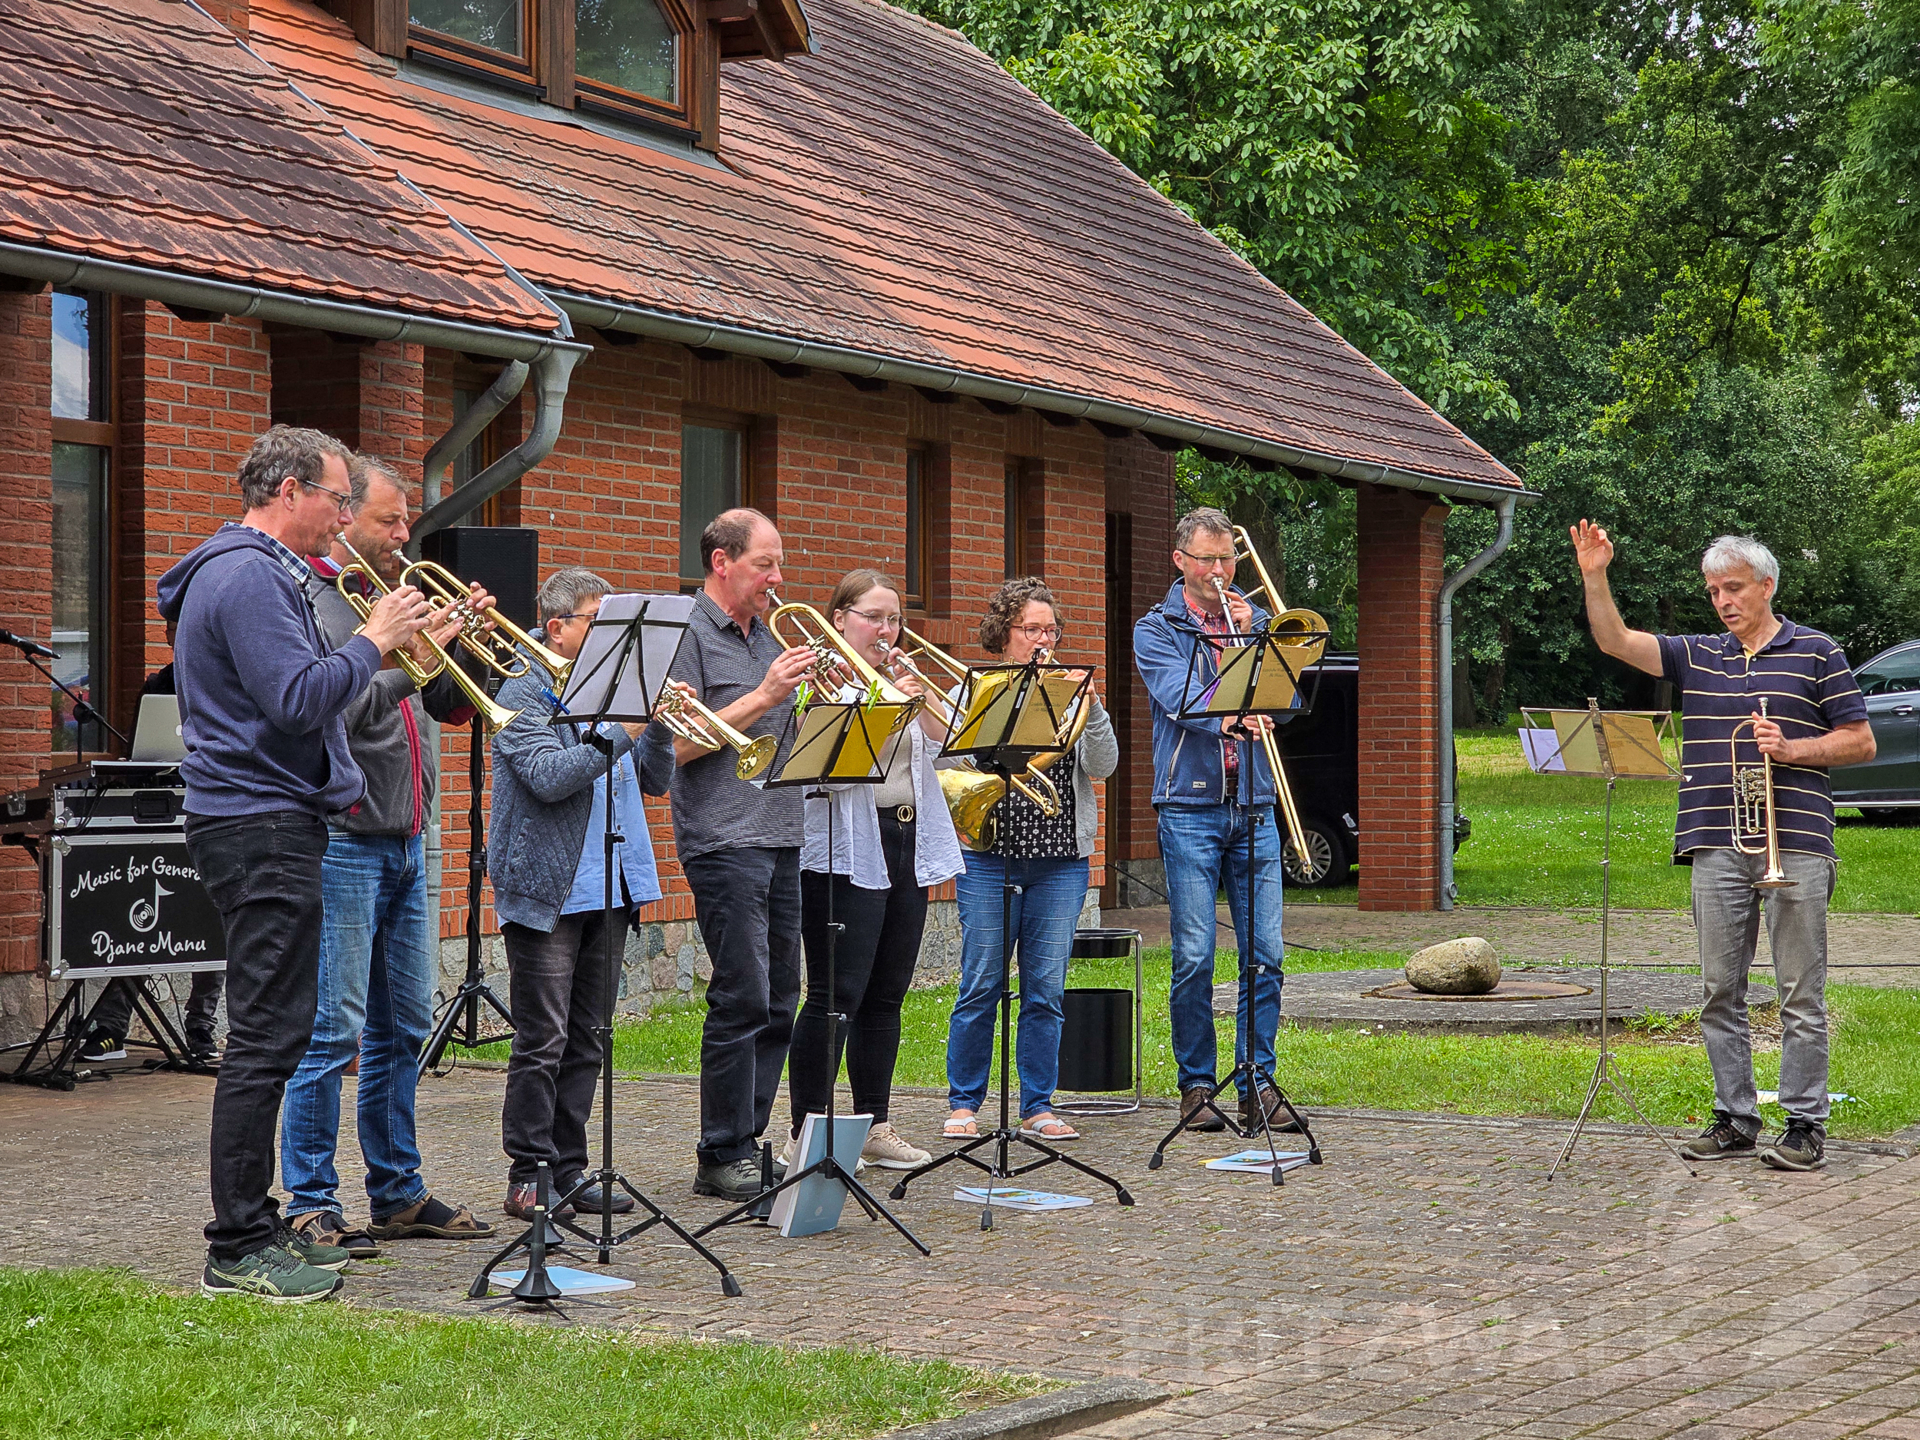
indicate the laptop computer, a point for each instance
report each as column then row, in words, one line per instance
column 156, row 732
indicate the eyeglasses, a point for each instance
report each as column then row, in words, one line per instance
column 553, row 620
column 878, row 619
column 1209, row 561
column 340, row 498
column 1038, row 632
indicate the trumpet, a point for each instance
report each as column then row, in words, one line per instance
column 835, row 659
column 493, row 715
column 1756, row 826
column 1302, row 629
column 499, row 648
column 692, row 721
column 972, row 795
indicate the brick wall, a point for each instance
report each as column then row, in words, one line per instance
column 26, row 604
column 1402, row 550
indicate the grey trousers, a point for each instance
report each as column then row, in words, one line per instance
column 1726, row 915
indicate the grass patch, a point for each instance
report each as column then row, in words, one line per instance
column 1873, row 1054
column 1536, row 841
column 99, row 1353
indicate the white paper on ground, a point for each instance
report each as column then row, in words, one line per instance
column 1011, row 1198
column 1834, row 1097
column 570, row 1280
column 1259, row 1161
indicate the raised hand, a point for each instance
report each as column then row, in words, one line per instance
column 1592, row 547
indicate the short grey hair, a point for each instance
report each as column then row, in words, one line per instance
column 287, row 450
column 1731, row 552
column 1205, row 517
column 567, row 590
column 362, row 471
column 731, row 531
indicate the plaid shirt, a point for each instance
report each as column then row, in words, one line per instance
column 294, row 565
column 1221, row 625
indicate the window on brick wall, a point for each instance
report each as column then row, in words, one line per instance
column 487, row 447
column 83, row 437
column 713, row 477
column 1019, row 474
column 914, row 562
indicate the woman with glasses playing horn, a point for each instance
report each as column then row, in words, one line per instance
column 1045, row 856
column 890, row 842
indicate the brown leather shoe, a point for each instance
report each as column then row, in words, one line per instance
column 1278, row 1120
column 521, row 1199
column 1193, row 1102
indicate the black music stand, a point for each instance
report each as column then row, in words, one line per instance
column 459, row 1022
column 1254, row 677
column 609, row 682
column 1011, row 713
column 838, row 743
column 1608, row 745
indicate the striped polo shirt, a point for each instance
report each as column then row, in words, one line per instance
column 1810, row 690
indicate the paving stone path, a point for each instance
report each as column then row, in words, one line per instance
column 1426, row 1281
column 1567, row 937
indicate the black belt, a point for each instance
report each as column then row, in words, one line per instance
column 900, row 814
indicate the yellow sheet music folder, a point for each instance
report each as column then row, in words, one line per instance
column 813, row 755
column 1038, row 725
column 1632, row 739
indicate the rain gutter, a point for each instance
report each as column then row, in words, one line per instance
column 1448, row 799
column 224, row 298
column 701, row 334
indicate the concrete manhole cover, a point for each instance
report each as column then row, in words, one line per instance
column 1507, row 989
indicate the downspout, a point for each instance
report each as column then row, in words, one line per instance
column 1448, row 803
column 468, row 428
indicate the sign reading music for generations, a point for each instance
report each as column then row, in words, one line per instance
column 128, row 904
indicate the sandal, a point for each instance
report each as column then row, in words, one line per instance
column 961, row 1127
column 1048, row 1126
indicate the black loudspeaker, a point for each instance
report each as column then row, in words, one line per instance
column 505, row 559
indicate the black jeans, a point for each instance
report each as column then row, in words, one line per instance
column 558, row 996
column 114, row 1012
column 748, row 905
column 873, row 967
column 263, row 874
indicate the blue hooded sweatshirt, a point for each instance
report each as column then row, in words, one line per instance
column 261, row 698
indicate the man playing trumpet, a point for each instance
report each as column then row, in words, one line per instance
column 1815, row 719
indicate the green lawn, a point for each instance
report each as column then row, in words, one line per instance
column 1536, row 841
column 1873, row 1055
column 92, row 1353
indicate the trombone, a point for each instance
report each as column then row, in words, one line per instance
column 695, row 722
column 972, row 794
column 1756, row 826
column 492, row 714
column 835, row 658
column 1297, row 629
column 499, row 648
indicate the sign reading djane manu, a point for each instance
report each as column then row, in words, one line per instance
column 123, row 904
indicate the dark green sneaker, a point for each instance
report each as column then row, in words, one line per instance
column 312, row 1251
column 272, row 1273
column 1803, row 1147
column 1722, row 1140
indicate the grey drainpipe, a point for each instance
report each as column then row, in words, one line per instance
column 468, row 428
column 1447, row 591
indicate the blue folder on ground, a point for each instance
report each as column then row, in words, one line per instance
column 814, row 1204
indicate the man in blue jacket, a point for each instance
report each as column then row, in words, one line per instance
column 261, row 699
column 1210, row 782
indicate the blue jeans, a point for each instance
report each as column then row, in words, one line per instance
column 1204, row 848
column 376, row 1000
column 1046, row 911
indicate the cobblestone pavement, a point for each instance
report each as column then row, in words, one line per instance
column 1426, row 1280
column 1569, row 937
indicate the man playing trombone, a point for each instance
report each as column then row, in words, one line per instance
column 1211, row 781
column 1765, row 688
column 377, row 961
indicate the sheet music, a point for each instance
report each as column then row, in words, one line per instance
column 593, row 688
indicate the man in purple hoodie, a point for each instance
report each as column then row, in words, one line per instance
column 261, row 699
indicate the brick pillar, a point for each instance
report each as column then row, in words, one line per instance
column 366, row 395
column 1402, row 552
column 26, row 606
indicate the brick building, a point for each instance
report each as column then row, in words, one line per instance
column 835, row 264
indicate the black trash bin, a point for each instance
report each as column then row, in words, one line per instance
column 1100, row 1032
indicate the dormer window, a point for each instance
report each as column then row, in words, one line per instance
column 629, row 49
column 490, row 35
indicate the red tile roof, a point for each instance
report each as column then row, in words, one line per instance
column 141, row 132
column 897, row 194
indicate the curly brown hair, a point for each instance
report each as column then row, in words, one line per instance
column 1008, row 604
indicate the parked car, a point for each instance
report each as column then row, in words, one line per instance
column 1890, row 782
column 1321, row 751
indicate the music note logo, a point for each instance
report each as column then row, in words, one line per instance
column 144, row 915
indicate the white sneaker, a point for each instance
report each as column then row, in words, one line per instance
column 886, row 1149
column 783, row 1161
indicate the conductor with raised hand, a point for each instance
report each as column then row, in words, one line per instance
column 262, row 700
column 1816, row 719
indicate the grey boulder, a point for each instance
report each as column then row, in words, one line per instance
column 1454, row 967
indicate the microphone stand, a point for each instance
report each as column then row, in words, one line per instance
column 83, row 712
